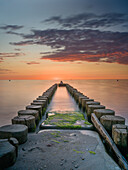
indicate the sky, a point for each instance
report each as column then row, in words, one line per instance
column 63, row 39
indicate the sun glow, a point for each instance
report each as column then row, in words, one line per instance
column 56, row 78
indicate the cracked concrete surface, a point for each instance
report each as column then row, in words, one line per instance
column 64, row 150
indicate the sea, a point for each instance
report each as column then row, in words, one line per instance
column 15, row 95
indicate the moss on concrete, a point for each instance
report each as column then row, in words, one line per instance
column 92, row 152
column 78, row 151
column 66, row 120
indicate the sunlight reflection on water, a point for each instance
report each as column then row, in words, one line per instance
column 17, row 94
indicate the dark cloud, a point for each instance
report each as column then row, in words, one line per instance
column 91, row 45
column 11, row 27
column 90, row 20
column 32, row 62
column 23, row 43
column 10, row 55
column 5, row 55
column 14, row 33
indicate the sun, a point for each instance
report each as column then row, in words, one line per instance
column 56, row 78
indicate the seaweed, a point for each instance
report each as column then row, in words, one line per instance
column 78, row 151
column 92, row 152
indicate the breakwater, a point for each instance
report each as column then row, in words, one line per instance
column 31, row 117
column 106, row 123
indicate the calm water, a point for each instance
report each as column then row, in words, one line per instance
column 16, row 94
column 62, row 101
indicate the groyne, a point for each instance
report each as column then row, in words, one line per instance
column 104, row 120
column 111, row 128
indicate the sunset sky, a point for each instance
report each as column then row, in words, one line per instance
column 63, row 39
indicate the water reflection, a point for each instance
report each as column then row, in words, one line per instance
column 111, row 93
column 17, row 94
column 62, row 101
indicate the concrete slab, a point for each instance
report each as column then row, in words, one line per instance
column 64, row 150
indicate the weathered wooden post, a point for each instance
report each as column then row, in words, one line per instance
column 91, row 103
column 17, row 131
column 27, row 120
column 120, row 136
column 35, row 107
column 102, row 112
column 108, row 120
column 84, row 102
column 91, row 108
column 31, row 112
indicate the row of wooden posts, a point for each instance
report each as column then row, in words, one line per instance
column 26, row 121
column 34, row 112
column 115, row 125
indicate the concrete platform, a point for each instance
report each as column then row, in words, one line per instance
column 64, row 150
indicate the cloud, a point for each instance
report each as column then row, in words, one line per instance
column 17, row 49
column 89, row 20
column 14, row 33
column 81, row 45
column 5, row 55
column 9, row 55
column 5, row 71
column 117, row 57
column 32, row 62
column 80, row 41
column 22, row 43
column 11, row 27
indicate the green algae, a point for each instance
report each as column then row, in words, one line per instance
column 78, row 151
column 56, row 141
column 44, row 110
column 56, row 134
column 87, row 123
column 92, row 152
column 65, row 120
column 32, row 129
